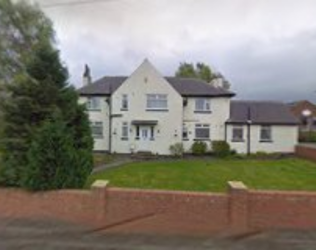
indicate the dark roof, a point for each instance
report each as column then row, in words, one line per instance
column 184, row 86
column 261, row 112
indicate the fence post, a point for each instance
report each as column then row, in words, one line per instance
column 238, row 207
column 99, row 192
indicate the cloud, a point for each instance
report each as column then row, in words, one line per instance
column 266, row 48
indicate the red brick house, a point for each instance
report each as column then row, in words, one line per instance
column 305, row 111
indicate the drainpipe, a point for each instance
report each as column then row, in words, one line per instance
column 249, row 122
column 248, row 137
column 109, row 101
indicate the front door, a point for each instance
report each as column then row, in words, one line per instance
column 144, row 138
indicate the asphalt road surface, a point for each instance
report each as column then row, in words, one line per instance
column 51, row 235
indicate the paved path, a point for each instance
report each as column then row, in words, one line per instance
column 115, row 164
column 53, row 235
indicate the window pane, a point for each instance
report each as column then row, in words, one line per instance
column 202, row 131
column 238, row 133
column 93, row 103
column 124, row 102
column 97, row 129
column 157, row 101
column 265, row 133
column 125, row 130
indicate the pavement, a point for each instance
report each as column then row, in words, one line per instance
column 52, row 235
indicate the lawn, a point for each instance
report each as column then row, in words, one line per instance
column 212, row 175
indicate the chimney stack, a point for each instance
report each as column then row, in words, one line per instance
column 86, row 76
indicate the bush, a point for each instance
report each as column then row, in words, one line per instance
column 221, row 148
column 199, row 148
column 177, row 149
column 307, row 136
column 54, row 161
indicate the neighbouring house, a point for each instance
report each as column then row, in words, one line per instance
column 305, row 112
column 149, row 112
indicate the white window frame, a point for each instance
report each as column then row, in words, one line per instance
column 96, row 129
column 157, row 102
column 235, row 129
column 124, row 104
column 266, row 128
column 93, row 103
column 203, row 127
column 125, row 130
column 202, row 105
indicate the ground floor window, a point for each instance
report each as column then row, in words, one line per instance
column 185, row 133
column 97, row 129
column 238, row 133
column 202, row 131
column 265, row 133
column 124, row 131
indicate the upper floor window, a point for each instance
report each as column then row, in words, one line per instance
column 157, row 102
column 265, row 133
column 124, row 102
column 202, row 131
column 238, row 133
column 96, row 129
column 94, row 103
column 202, row 105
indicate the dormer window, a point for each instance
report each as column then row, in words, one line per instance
column 202, row 105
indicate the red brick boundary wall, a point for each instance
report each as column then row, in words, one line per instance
column 166, row 212
column 306, row 151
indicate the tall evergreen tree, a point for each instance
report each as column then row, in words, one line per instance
column 33, row 95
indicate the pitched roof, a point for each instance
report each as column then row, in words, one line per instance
column 261, row 112
column 184, row 86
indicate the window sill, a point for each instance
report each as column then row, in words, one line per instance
column 202, row 139
column 202, row 112
column 266, row 141
column 137, row 138
column 93, row 110
column 124, row 138
column 158, row 110
column 98, row 137
column 185, row 139
column 124, row 109
column 152, row 139
column 238, row 140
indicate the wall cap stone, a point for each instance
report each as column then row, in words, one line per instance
column 237, row 186
column 99, row 184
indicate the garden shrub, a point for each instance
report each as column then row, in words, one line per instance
column 199, row 148
column 221, row 148
column 177, row 149
column 307, row 136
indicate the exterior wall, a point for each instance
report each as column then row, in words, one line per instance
column 146, row 80
column 220, row 109
column 284, row 139
column 306, row 151
column 103, row 115
column 166, row 212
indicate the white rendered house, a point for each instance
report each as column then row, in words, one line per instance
column 149, row 112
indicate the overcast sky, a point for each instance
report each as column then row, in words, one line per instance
column 265, row 48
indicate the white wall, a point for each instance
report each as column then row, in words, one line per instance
column 147, row 80
column 103, row 115
column 284, row 139
column 220, row 109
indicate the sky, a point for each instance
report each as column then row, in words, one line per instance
column 265, row 48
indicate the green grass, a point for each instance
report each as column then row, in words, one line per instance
column 212, row 175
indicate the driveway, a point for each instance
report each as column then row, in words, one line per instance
column 52, row 234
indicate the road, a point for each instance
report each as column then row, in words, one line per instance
column 53, row 235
